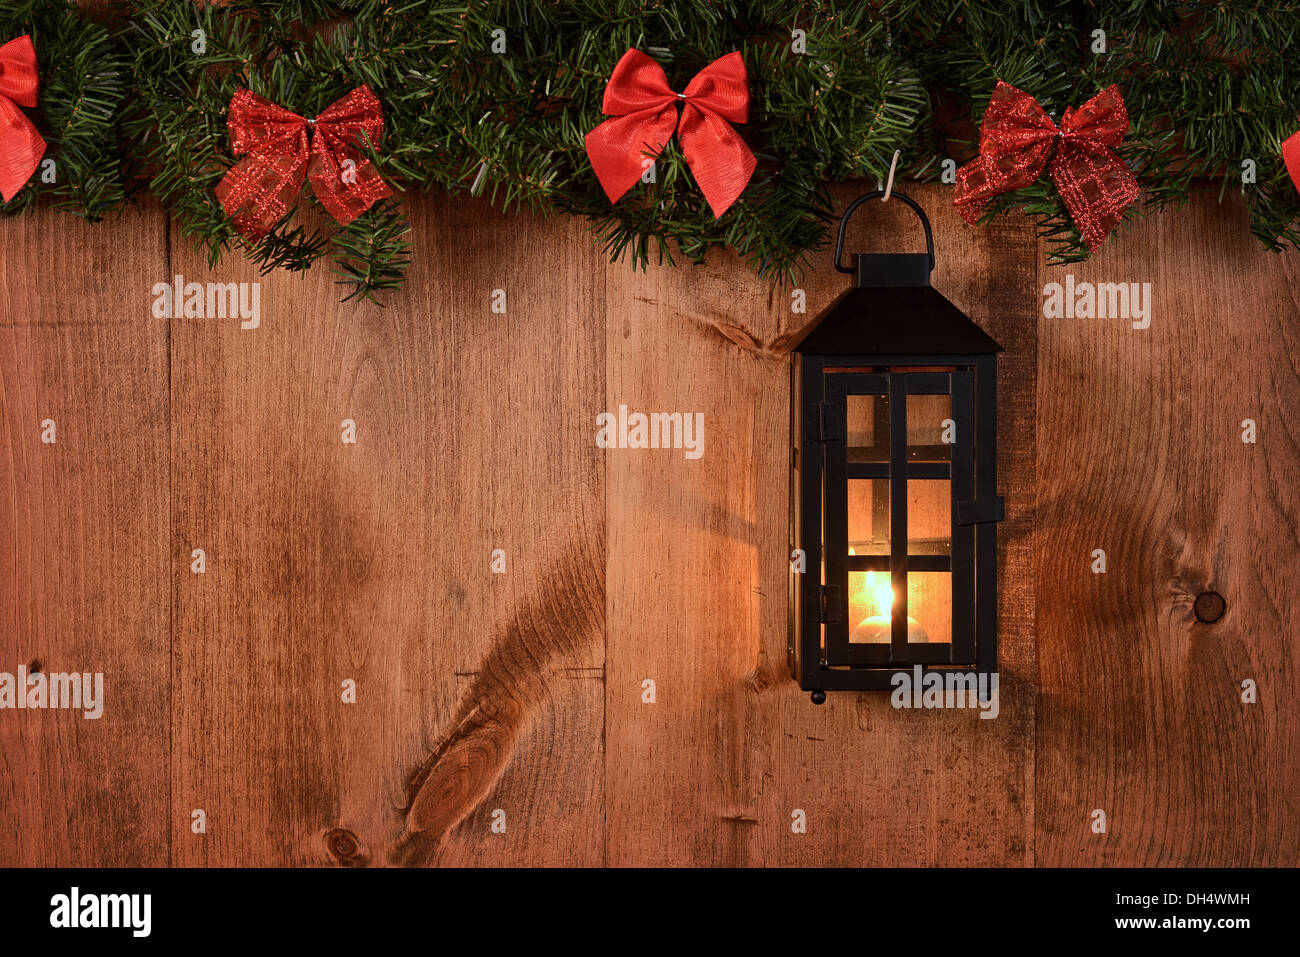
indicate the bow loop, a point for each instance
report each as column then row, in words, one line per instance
column 347, row 119
column 259, row 126
column 722, row 87
column 18, row 80
column 1100, row 123
column 638, row 83
column 644, row 115
column 1017, row 131
column 1017, row 138
column 21, row 146
column 281, row 149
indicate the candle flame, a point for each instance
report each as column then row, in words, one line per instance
column 881, row 591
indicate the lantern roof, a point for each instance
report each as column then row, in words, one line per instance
column 894, row 319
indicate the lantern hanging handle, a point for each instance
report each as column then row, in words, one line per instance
column 844, row 222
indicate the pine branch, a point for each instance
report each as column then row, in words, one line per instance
column 82, row 86
column 495, row 97
column 372, row 253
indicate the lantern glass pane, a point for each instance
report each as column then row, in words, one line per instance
column 867, row 421
column 929, row 607
column 868, row 516
column 870, row 604
column 926, row 415
column 929, row 517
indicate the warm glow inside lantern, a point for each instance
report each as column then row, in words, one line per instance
column 894, row 498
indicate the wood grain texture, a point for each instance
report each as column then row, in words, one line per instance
column 713, row 770
column 687, row 541
column 83, row 537
column 309, row 579
column 887, row 787
column 372, row 562
column 522, row 692
column 513, row 466
column 1140, row 453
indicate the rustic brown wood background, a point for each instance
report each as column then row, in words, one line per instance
column 522, row 692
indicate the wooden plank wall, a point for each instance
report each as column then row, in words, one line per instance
column 84, row 541
column 518, row 697
column 1141, row 455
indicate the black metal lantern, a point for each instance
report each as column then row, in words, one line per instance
column 893, row 494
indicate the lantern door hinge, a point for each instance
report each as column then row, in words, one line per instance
column 828, row 604
column 988, row 509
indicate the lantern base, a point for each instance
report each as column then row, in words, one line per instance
column 818, row 697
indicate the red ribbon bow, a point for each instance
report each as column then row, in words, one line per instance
column 1291, row 156
column 644, row 108
column 1016, row 139
column 261, row 187
column 21, row 147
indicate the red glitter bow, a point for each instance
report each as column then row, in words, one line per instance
column 261, row 187
column 21, row 147
column 1016, row 140
column 1291, row 156
column 644, row 108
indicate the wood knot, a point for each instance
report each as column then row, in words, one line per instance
column 776, row 348
column 344, row 846
column 35, row 666
column 761, row 678
column 1209, row 607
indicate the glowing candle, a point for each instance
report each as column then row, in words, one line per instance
column 879, row 628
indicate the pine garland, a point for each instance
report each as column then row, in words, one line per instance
column 495, row 96
column 83, row 81
column 187, row 64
